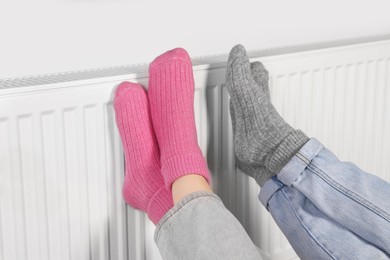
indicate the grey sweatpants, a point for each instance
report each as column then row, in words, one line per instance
column 200, row 227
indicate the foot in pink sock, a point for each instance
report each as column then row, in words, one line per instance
column 143, row 186
column 171, row 98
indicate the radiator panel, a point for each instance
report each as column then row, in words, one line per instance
column 61, row 168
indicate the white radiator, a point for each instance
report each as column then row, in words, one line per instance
column 61, row 164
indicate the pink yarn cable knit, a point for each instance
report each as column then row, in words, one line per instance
column 171, row 99
column 143, row 187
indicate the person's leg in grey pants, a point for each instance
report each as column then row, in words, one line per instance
column 200, row 227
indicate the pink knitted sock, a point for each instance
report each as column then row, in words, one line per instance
column 143, row 187
column 171, row 98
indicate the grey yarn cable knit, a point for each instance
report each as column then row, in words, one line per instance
column 264, row 142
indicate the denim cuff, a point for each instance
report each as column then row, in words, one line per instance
column 269, row 188
column 291, row 171
column 300, row 161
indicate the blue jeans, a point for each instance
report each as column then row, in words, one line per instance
column 329, row 209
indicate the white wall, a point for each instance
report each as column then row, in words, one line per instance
column 45, row 36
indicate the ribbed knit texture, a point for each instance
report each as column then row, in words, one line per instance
column 264, row 142
column 258, row 172
column 143, row 186
column 171, row 98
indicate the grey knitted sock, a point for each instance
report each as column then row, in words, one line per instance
column 264, row 142
column 259, row 173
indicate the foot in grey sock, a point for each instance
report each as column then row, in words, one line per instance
column 259, row 173
column 262, row 138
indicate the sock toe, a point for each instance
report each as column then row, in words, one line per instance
column 125, row 88
column 177, row 54
column 239, row 59
column 259, row 72
column 238, row 51
column 257, row 67
column 239, row 66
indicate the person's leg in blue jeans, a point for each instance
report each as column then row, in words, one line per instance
column 357, row 200
column 310, row 221
column 325, row 207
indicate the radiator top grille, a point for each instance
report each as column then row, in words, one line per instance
column 139, row 70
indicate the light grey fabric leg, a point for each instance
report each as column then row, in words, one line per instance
column 200, row 227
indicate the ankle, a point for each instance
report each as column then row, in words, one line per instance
column 286, row 149
column 183, row 164
column 188, row 184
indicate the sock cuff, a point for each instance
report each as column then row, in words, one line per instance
column 160, row 203
column 181, row 165
column 286, row 150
